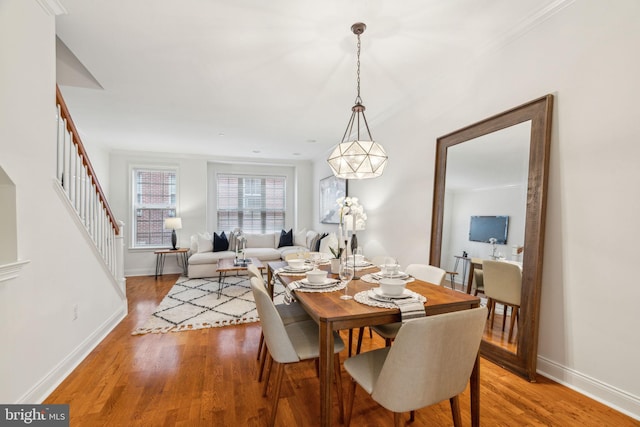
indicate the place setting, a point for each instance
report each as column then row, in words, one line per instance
column 392, row 293
column 315, row 280
column 389, row 270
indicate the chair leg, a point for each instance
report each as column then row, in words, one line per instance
column 350, row 340
column 260, row 346
column 338, row 374
column 276, row 394
column 397, row 419
column 350, row 398
column 505, row 310
column 455, row 411
column 493, row 312
column 263, row 359
column 412, row 416
column 266, row 380
column 514, row 315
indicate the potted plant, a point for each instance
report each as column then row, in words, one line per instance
column 335, row 261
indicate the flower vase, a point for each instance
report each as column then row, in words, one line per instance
column 354, row 243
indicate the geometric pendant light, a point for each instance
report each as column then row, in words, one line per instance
column 357, row 158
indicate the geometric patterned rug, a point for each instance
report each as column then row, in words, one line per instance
column 193, row 304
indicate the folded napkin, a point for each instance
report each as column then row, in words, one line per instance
column 288, row 292
column 410, row 308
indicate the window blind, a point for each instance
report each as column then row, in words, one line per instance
column 255, row 204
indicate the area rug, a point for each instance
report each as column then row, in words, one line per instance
column 193, row 304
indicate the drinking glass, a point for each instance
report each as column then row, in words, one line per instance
column 346, row 274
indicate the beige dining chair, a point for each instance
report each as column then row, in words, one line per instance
column 431, row 360
column 424, row 272
column 503, row 285
column 289, row 313
column 290, row 343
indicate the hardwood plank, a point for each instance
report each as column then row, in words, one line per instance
column 208, row 377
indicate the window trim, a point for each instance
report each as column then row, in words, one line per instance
column 132, row 202
column 251, row 169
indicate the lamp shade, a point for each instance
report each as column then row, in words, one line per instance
column 358, row 160
column 173, row 223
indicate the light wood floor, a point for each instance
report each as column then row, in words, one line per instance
column 208, row 378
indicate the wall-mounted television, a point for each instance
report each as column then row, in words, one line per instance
column 482, row 228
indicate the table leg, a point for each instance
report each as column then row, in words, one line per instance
column 270, row 281
column 326, row 371
column 474, row 386
column 159, row 264
column 221, row 277
column 185, row 261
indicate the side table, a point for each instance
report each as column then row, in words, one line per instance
column 182, row 258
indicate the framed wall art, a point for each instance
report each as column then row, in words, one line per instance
column 331, row 188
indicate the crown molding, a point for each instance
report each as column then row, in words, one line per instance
column 52, row 7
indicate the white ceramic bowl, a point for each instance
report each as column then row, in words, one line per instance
column 392, row 287
column 316, row 276
column 296, row 262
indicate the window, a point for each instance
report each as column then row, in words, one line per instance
column 154, row 199
column 256, row 204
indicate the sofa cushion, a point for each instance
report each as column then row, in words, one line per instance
column 263, row 254
column 300, row 238
column 286, row 238
column 205, row 243
column 260, row 240
column 209, row 257
column 220, row 242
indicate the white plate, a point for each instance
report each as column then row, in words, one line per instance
column 303, row 268
column 325, row 284
column 378, row 292
column 399, row 275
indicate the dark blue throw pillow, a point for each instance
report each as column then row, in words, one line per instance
column 220, row 243
column 286, row 238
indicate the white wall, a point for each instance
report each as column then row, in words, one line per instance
column 586, row 55
column 193, row 190
column 41, row 342
column 461, row 205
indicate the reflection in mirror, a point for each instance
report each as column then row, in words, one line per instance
column 486, row 176
column 497, row 167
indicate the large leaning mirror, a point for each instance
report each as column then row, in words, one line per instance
column 491, row 183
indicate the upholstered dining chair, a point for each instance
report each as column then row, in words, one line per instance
column 290, row 343
column 424, row 272
column 431, row 360
column 289, row 313
column 503, row 284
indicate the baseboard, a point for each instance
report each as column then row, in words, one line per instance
column 604, row 393
column 48, row 384
column 151, row 272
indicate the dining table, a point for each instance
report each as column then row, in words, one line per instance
column 334, row 314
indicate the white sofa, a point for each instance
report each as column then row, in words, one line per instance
column 203, row 261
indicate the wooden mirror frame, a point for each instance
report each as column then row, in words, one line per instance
column 539, row 111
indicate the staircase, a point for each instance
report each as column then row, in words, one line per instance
column 79, row 185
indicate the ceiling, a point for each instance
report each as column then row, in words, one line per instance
column 257, row 79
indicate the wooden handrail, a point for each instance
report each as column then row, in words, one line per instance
column 71, row 127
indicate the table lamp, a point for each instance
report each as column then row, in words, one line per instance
column 173, row 224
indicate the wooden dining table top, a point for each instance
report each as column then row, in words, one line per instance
column 327, row 306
